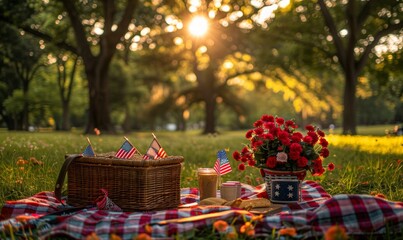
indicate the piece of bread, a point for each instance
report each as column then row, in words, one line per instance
column 212, row 201
column 250, row 203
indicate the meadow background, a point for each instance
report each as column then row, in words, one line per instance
column 366, row 164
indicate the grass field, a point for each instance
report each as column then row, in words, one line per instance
column 364, row 164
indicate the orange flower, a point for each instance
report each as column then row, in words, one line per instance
column 380, row 195
column 292, row 232
column 258, row 218
column 142, row 236
column 23, row 218
column 21, row 161
column 97, row 131
column 92, row 236
column 247, row 229
column 336, row 232
column 114, row 237
column 231, row 236
column 220, row 225
column 148, row 229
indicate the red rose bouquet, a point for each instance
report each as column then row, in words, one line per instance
column 275, row 144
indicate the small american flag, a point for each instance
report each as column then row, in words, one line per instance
column 88, row 151
column 222, row 165
column 155, row 151
column 127, row 150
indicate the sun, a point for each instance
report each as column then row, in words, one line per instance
column 198, row 26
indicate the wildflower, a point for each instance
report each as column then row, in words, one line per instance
column 380, row 195
column 231, row 235
column 97, row 131
column 114, row 237
column 142, row 236
column 330, row 166
column 336, row 232
column 92, row 236
column 292, row 232
column 258, row 218
column 241, row 167
column 35, row 161
column 221, row 226
column 236, row 155
column 21, row 161
column 23, row 218
column 148, row 229
column 247, row 229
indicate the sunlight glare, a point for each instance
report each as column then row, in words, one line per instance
column 198, row 26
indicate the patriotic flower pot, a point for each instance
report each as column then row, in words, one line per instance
column 284, row 186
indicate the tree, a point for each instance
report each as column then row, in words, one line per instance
column 229, row 24
column 96, row 63
column 22, row 54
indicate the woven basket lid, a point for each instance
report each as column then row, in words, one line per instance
column 136, row 160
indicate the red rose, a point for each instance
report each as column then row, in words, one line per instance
column 307, row 139
column 236, row 155
column 271, row 162
column 324, row 152
column 273, row 131
column 296, row 137
column 268, row 136
column 294, row 155
column 295, row 147
column 302, row 162
column 267, row 118
column 280, row 120
column 245, row 150
column 259, row 131
column 258, row 123
column 289, row 123
column 251, row 162
column 330, row 166
column 248, row 134
column 257, row 143
column 269, row 125
column 310, row 128
column 314, row 137
column 244, row 158
column 321, row 133
column 323, row 142
column 241, row 167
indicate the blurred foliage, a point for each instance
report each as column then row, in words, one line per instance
column 282, row 65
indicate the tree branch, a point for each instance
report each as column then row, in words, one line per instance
column 333, row 31
column 42, row 36
column 390, row 29
column 83, row 47
column 364, row 13
column 125, row 20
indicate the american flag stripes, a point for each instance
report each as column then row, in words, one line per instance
column 222, row 165
column 155, row 151
column 127, row 150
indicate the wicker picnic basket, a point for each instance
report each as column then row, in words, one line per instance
column 132, row 184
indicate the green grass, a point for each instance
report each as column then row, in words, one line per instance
column 364, row 164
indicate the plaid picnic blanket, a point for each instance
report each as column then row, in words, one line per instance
column 43, row 216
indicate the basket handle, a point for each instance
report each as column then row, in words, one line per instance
column 62, row 175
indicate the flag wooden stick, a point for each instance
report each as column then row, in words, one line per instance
column 156, row 140
column 137, row 151
column 89, row 142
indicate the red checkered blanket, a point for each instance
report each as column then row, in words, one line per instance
column 43, row 216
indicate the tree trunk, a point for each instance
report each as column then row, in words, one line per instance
column 206, row 80
column 98, row 97
column 349, row 103
column 99, row 112
column 65, row 116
